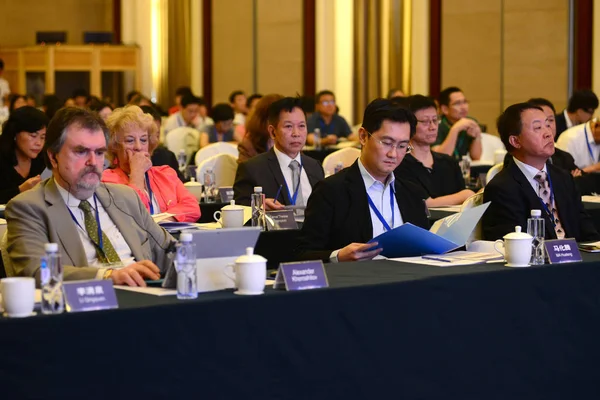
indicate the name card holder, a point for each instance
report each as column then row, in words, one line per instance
column 281, row 219
column 89, row 295
column 226, row 194
column 562, row 251
column 301, row 276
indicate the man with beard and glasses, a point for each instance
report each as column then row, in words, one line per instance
column 103, row 231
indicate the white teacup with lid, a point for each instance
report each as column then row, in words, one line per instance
column 250, row 272
column 230, row 216
column 517, row 248
column 194, row 188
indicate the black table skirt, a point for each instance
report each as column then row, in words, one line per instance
column 383, row 330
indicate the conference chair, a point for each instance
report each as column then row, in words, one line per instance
column 493, row 172
column 490, row 144
column 345, row 156
column 223, row 165
column 214, row 149
column 183, row 138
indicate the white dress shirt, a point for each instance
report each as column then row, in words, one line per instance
column 575, row 141
column 4, row 90
column 530, row 173
column 380, row 195
column 108, row 227
column 176, row 121
column 284, row 163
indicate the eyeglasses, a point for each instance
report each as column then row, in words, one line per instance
column 328, row 103
column 402, row 147
column 427, row 122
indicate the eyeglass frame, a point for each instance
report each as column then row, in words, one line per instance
column 428, row 122
column 389, row 147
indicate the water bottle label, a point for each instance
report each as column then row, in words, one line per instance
column 44, row 272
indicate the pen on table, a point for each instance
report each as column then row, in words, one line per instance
column 436, row 259
column 278, row 193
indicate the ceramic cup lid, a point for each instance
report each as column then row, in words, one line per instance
column 233, row 207
column 250, row 257
column 192, row 182
column 517, row 234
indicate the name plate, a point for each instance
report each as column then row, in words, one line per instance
column 562, row 251
column 89, row 295
column 226, row 193
column 301, row 276
column 281, row 219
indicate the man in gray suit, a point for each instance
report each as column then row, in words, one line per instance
column 103, row 231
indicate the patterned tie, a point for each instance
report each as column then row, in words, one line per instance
column 546, row 196
column 295, row 167
column 108, row 253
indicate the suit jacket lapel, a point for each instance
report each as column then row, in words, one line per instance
column 310, row 173
column 65, row 227
column 122, row 222
column 359, row 206
column 278, row 175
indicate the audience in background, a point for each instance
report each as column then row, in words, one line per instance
column 252, row 101
column 583, row 143
column 69, row 103
column 80, row 97
column 140, row 100
column 237, row 101
column 439, row 175
column 103, row 109
column 308, row 105
column 458, row 134
column 361, row 202
column 581, row 108
column 395, row 93
column 16, row 101
column 4, row 86
column 286, row 175
column 222, row 129
column 21, row 143
column 51, row 104
column 31, row 101
column 257, row 139
column 179, row 93
column 531, row 182
column 132, row 139
column 187, row 116
column 332, row 126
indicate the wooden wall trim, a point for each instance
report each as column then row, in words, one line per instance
column 309, row 47
column 583, row 50
column 207, row 52
column 435, row 47
column 116, row 22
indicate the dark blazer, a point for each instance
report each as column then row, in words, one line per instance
column 338, row 213
column 264, row 170
column 561, row 124
column 513, row 198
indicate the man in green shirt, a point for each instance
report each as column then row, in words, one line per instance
column 458, row 134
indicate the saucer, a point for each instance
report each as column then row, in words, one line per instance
column 247, row 293
column 5, row 315
column 516, row 265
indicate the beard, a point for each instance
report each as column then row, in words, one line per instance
column 83, row 186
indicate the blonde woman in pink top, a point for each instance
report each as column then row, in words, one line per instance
column 133, row 138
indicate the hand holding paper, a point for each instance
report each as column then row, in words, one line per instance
column 359, row 251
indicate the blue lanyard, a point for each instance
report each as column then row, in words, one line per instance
column 149, row 193
column 378, row 214
column 546, row 209
column 293, row 199
column 98, row 245
column 588, row 144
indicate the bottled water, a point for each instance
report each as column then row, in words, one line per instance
column 210, row 186
column 536, row 228
column 338, row 167
column 182, row 160
column 51, row 277
column 317, row 141
column 258, row 208
column 185, row 263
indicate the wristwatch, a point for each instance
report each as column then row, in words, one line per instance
column 108, row 273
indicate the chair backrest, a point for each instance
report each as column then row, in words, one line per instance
column 345, row 156
column 473, row 201
column 489, row 144
column 493, row 172
column 214, row 149
column 6, row 267
column 223, row 165
column 185, row 138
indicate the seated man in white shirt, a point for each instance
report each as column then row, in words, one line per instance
column 189, row 115
column 364, row 200
column 102, row 231
column 581, row 108
column 583, row 143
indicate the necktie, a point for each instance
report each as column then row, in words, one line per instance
column 107, row 254
column 546, row 196
column 295, row 167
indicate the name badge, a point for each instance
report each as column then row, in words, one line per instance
column 562, row 251
column 301, row 276
column 226, row 194
column 89, row 295
column 281, row 219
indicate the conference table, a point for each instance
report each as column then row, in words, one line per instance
column 383, row 329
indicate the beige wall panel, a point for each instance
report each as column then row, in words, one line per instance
column 535, row 55
column 279, row 47
column 34, row 59
column 69, row 59
column 535, row 5
column 471, row 58
column 118, row 58
column 21, row 19
column 232, row 48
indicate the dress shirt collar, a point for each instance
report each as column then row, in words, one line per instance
column 567, row 120
column 370, row 181
column 68, row 198
column 284, row 159
column 587, row 128
column 527, row 170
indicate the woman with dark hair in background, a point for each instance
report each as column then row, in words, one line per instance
column 16, row 101
column 103, row 109
column 51, row 104
column 257, row 139
column 21, row 143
